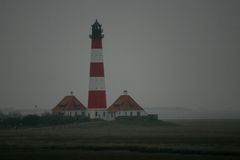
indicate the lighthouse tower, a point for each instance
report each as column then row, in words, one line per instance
column 96, row 94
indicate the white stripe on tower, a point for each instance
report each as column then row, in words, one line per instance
column 96, row 83
column 96, row 55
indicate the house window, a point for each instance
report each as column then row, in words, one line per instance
column 70, row 113
column 125, row 113
column 75, row 113
column 103, row 114
column 138, row 113
column 131, row 114
column 96, row 114
column 83, row 114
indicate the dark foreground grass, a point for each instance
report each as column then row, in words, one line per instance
column 74, row 154
column 189, row 139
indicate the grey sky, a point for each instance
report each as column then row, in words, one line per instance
column 164, row 52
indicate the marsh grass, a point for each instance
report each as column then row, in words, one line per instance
column 204, row 138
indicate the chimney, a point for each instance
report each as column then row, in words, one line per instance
column 125, row 92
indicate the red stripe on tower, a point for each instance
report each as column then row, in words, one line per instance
column 96, row 93
column 97, row 43
column 96, row 70
column 97, row 99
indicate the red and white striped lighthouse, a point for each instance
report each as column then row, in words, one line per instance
column 96, row 94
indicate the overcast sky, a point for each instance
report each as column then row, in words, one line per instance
column 166, row 53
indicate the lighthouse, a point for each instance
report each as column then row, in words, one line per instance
column 96, row 94
column 124, row 106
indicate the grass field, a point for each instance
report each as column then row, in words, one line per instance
column 169, row 140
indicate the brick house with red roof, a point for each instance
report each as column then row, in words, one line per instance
column 70, row 106
column 126, row 106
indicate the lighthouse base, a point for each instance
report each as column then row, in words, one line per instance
column 97, row 114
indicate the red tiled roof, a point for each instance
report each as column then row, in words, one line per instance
column 124, row 103
column 69, row 103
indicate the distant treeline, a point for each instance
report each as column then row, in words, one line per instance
column 17, row 120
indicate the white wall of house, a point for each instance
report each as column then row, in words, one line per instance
column 129, row 113
column 75, row 113
column 104, row 114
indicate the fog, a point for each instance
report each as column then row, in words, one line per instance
column 169, row 54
